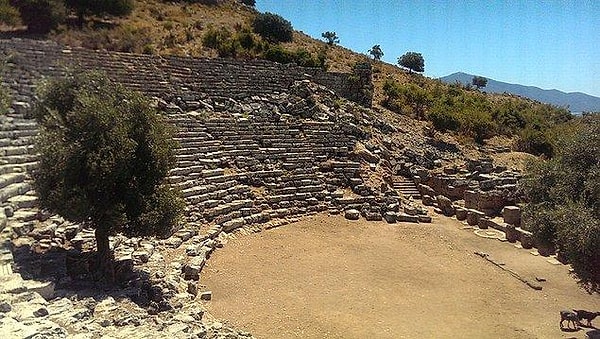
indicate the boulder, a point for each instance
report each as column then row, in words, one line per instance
column 352, row 214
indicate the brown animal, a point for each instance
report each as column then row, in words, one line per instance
column 570, row 317
column 587, row 315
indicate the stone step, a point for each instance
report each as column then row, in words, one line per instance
column 11, row 178
column 16, row 150
column 17, row 159
column 17, row 168
column 24, row 201
column 14, row 190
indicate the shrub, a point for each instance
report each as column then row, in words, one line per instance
column 251, row 3
column 9, row 15
column 564, row 199
column 273, row 27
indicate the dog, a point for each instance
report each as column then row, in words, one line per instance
column 570, row 317
column 587, row 315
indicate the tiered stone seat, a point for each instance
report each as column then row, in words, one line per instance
column 17, row 158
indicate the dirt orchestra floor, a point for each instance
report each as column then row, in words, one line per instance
column 328, row 277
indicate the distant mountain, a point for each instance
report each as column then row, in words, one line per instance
column 576, row 102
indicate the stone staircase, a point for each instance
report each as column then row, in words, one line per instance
column 17, row 158
column 406, row 186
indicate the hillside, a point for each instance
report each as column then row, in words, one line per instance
column 576, row 102
column 178, row 28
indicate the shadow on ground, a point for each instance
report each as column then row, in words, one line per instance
column 75, row 275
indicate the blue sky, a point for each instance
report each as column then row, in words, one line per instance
column 548, row 44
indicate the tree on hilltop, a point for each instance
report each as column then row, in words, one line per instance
column 273, row 27
column 104, row 155
column 331, row 38
column 413, row 61
column 376, row 52
column 479, row 82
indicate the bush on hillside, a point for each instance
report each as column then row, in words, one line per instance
column 41, row 16
column 101, row 7
column 564, row 199
column 301, row 57
column 251, row 3
column 9, row 15
column 273, row 27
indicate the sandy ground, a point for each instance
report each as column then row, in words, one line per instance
column 327, row 277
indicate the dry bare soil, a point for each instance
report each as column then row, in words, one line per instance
column 327, row 277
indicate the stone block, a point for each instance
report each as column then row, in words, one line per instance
column 526, row 238
column 425, row 218
column 390, row 217
column 445, row 205
column 427, row 200
column 473, row 217
column 373, row 216
column 191, row 270
column 512, row 235
column 352, row 214
column 512, row 215
column 461, row 213
column 403, row 217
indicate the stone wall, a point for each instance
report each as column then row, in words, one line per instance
column 190, row 79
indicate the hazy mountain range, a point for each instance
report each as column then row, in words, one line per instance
column 576, row 102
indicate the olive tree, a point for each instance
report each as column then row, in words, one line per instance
column 104, row 155
column 479, row 82
column 413, row 61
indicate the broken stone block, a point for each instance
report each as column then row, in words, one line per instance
column 512, row 235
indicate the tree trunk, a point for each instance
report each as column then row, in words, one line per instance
column 105, row 257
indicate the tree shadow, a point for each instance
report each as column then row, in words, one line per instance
column 593, row 334
column 75, row 274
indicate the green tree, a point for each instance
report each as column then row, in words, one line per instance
column 9, row 15
column 100, row 7
column 376, row 52
column 479, row 82
column 104, row 155
column 41, row 16
column 273, row 27
column 331, row 38
column 413, row 61
column 564, row 199
column 251, row 3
